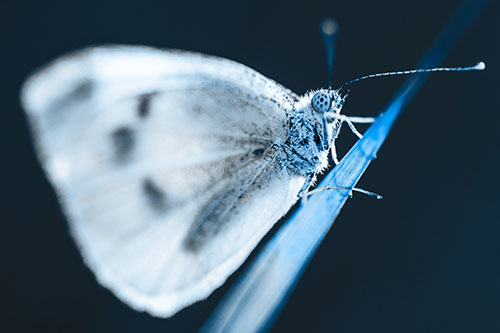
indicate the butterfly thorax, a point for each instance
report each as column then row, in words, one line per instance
column 309, row 138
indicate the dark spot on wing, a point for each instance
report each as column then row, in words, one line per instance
column 144, row 105
column 123, row 140
column 82, row 90
column 155, row 196
column 197, row 109
column 258, row 152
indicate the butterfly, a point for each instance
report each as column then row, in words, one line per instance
column 171, row 166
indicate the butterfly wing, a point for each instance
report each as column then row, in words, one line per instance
column 166, row 163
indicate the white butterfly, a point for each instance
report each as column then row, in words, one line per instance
column 171, row 166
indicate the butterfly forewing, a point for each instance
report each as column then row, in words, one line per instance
column 166, row 164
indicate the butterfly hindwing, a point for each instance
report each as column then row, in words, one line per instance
column 165, row 163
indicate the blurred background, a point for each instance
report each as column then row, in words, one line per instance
column 424, row 259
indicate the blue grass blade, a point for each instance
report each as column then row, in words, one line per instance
column 257, row 297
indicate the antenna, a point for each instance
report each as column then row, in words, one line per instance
column 478, row 67
column 328, row 28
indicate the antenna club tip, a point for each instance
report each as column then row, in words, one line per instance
column 480, row 66
column 329, row 26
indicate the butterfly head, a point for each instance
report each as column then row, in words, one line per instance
column 327, row 101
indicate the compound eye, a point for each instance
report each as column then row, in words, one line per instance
column 321, row 101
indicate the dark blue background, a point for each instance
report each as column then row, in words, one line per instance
column 424, row 259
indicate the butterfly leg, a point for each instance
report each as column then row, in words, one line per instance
column 361, row 120
column 351, row 126
column 334, row 153
column 304, row 190
column 347, row 120
column 351, row 189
